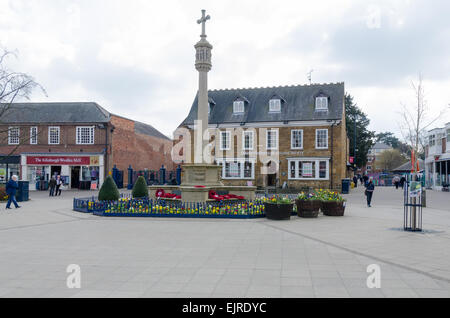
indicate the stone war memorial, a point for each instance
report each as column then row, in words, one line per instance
column 200, row 179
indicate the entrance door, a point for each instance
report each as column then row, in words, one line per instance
column 272, row 174
column 75, row 178
column 55, row 170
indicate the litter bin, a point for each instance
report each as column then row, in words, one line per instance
column 23, row 191
column 345, row 186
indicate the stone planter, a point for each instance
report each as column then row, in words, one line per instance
column 278, row 211
column 332, row 208
column 308, row 208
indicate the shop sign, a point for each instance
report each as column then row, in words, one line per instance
column 59, row 160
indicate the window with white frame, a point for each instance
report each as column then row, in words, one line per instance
column 272, row 139
column 369, row 168
column 248, row 140
column 238, row 107
column 321, row 103
column 237, row 168
column 275, row 105
column 225, row 140
column 53, row 135
column 309, row 169
column 321, row 138
column 33, row 136
column 432, row 140
column 297, row 139
column 85, row 135
column 13, row 135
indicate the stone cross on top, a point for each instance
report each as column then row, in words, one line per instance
column 202, row 21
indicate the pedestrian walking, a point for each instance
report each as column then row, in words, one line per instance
column 366, row 180
column 396, row 181
column 355, row 181
column 58, row 186
column 402, row 181
column 52, row 186
column 11, row 190
column 369, row 191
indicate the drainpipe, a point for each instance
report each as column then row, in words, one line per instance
column 332, row 154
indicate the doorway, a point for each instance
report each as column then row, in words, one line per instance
column 272, row 170
column 55, row 170
column 75, row 178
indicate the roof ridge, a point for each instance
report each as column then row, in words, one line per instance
column 274, row 87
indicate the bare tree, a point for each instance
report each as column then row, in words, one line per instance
column 13, row 86
column 415, row 120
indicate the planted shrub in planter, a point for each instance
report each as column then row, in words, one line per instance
column 109, row 190
column 278, row 208
column 333, row 204
column 140, row 189
column 308, row 205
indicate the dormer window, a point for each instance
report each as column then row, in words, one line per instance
column 322, row 103
column 238, row 107
column 275, row 105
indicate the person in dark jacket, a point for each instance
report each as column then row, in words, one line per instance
column 369, row 191
column 355, row 181
column 52, row 186
column 366, row 180
column 11, row 190
column 402, row 181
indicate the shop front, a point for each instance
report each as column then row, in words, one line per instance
column 9, row 166
column 82, row 172
column 438, row 168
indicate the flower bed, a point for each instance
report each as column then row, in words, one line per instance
column 128, row 207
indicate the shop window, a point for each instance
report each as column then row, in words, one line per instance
column 308, row 169
column 237, row 169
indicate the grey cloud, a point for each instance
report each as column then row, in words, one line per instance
column 386, row 55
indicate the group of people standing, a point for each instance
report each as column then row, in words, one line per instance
column 55, row 185
column 397, row 181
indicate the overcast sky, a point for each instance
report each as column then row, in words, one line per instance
column 136, row 57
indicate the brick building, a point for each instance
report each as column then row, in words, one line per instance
column 374, row 152
column 82, row 142
column 291, row 135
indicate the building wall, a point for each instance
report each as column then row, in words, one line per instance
column 337, row 152
column 138, row 150
column 67, row 140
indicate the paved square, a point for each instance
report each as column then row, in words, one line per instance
column 147, row 257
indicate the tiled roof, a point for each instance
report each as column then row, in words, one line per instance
column 407, row 166
column 298, row 104
column 21, row 113
column 149, row 130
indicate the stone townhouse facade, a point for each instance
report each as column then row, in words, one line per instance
column 82, row 142
column 269, row 137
